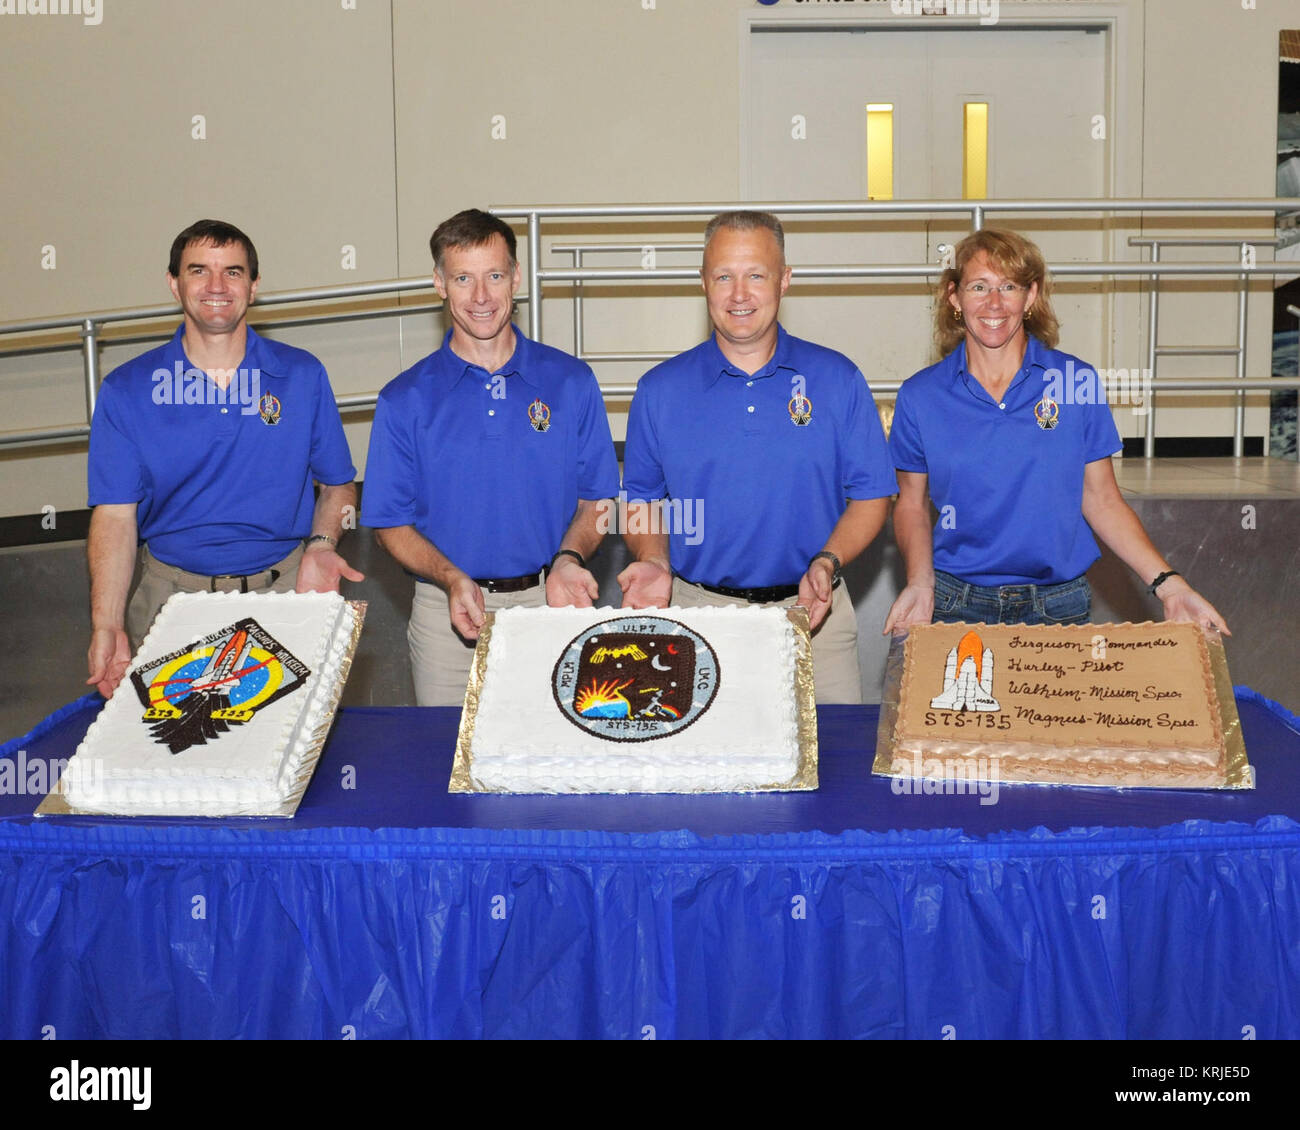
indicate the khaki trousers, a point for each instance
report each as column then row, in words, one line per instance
column 834, row 644
column 159, row 581
column 440, row 656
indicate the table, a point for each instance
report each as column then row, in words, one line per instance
column 388, row 908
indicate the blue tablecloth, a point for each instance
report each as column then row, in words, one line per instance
column 391, row 909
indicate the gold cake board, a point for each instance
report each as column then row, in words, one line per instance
column 1238, row 774
column 56, row 803
column 804, row 780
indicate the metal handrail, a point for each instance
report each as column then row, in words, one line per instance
column 1201, row 241
column 977, row 210
column 606, row 248
column 577, row 251
column 91, row 339
column 1156, row 351
column 915, row 270
column 90, row 325
column 278, row 298
column 865, row 207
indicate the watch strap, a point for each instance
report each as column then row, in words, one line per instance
column 836, row 566
column 567, row 553
column 1160, row 580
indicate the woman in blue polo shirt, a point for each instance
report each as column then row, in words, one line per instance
column 1013, row 441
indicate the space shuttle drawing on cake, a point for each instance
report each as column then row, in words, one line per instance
column 967, row 677
column 196, row 692
column 227, row 662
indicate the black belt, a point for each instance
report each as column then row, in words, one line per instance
column 756, row 596
column 509, row 584
column 272, row 574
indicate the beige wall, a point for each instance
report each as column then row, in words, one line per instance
column 329, row 127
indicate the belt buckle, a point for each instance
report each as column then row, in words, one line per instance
column 243, row 581
column 508, row 584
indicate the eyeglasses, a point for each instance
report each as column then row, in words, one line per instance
column 983, row 290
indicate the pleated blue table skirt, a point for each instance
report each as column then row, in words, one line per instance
column 320, row 928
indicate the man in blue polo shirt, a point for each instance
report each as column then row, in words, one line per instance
column 204, row 452
column 771, row 445
column 488, row 463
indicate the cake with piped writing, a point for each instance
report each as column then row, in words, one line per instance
column 1097, row 704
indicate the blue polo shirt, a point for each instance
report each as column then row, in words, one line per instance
column 489, row 466
column 222, row 480
column 754, row 470
column 1015, row 488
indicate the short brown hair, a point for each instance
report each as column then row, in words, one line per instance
column 470, row 228
column 219, row 234
column 1016, row 257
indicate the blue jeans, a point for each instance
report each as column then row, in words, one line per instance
column 955, row 602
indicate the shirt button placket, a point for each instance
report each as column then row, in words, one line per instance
column 493, row 420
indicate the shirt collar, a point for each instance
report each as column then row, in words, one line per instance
column 257, row 354
column 1032, row 360
column 521, row 363
column 717, row 365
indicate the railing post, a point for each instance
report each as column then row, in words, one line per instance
column 1239, row 420
column 90, row 363
column 534, row 277
column 577, row 305
column 1149, row 436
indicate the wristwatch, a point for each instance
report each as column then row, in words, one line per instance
column 835, row 563
column 1160, row 580
column 566, row 553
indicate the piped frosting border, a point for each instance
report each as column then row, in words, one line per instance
column 301, row 758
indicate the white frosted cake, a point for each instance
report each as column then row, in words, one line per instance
column 223, row 710
column 599, row 700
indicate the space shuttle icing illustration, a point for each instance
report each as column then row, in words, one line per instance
column 967, row 677
column 196, row 693
column 227, row 662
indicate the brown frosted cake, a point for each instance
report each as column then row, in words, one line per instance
column 1096, row 704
